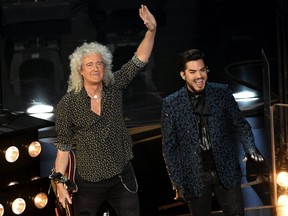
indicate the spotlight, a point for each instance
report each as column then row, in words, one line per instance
column 282, row 179
column 40, row 200
column 35, row 178
column 245, row 96
column 28, row 198
column 18, row 206
column 12, row 154
column 13, row 183
column 283, row 200
column 40, row 108
column 34, row 149
column 1, row 210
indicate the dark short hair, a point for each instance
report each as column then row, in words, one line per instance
column 189, row 55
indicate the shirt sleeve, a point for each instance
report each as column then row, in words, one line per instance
column 128, row 72
column 138, row 62
column 63, row 126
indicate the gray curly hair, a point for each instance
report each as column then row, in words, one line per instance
column 75, row 83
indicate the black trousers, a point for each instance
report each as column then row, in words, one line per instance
column 119, row 192
column 231, row 201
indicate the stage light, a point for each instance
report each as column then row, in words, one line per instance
column 40, row 108
column 12, row 154
column 44, row 116
column 35, row 178
column 283, row 200
column 18, row 206
column 30, row 198
column 40, row 200
column 13, row 183
column 245, row 96
column 20, row 170
column 282, row 179
column 34, row 149
column 1, row 210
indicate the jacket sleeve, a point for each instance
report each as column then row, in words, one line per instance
column 169, row 144
column 241, row 125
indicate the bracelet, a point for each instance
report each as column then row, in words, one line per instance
column 58, row 177
column 67, row 183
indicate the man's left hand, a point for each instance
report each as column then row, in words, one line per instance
column 254, row 156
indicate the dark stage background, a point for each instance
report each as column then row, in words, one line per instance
column 38, row 36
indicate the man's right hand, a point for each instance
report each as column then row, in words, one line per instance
column 63, row 195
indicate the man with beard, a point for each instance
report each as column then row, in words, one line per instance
column 198, row 125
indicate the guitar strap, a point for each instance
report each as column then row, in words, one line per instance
column 71, row 169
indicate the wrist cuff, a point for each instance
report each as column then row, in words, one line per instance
column 138, row 62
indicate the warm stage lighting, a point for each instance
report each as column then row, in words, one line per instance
column 34, row 149
column 282, row 179
column 18, row 206
column 283, row 200
column 29, row 198
column 1, row 210
column 20, row 169
column 40, row 200
column 12, row 154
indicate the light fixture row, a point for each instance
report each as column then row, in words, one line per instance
column 282, row 181
column 16, row 182
column 12, row 153
column 18, row 205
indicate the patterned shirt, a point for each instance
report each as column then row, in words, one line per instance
column 101, row 143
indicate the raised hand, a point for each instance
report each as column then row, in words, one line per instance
column 148, row 18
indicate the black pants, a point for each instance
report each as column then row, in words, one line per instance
column 91, row 195
column 231, row 201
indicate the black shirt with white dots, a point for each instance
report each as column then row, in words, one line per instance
column 101, row 142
